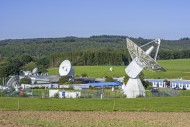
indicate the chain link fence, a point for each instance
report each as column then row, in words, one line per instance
column 97, row 93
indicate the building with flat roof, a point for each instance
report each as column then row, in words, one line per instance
column 105, row 84
column 170, row 83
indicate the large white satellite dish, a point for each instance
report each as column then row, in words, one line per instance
column 140, row 60
column 65, row 68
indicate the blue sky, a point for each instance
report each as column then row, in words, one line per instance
column 165, row 19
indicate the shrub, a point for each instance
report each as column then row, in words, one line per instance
column 109, row 79
column 43, row 87
column 84, row 75
column 149, row 87
column 56, row 95
column 3, row 93
column 25, row 80
column 126, row 78
column 63, row 80
column 36, row 87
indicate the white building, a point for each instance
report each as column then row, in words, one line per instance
column 171, row 83
column 180, row 84
column 64, row 94
column 26, row 86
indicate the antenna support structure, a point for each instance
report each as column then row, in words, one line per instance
column 140, row 60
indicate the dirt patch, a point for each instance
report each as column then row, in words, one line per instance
column 96, row 119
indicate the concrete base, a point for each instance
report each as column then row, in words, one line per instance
column 134, row 88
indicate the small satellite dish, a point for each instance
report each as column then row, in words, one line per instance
column 27, row 73
column 65, row 68
column 35, row 71
column 140, row 60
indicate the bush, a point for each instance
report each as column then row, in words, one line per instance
column 63, row 80
column 109, row 79
column 93, row 88
column 36, row 87
column 3, row 93
column 25, row 80
column 126, row 78
column 43, row 87
column 84, row 75
column 56, row 95
column 149, row 87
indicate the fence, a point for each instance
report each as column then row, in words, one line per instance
column 162, row 92
column 101, row 94
column 98, row 93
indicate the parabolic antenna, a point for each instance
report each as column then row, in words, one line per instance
column 140, row 60
column 35, row 71
column 65, row 68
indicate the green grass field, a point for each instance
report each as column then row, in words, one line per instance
column 165, row 104
column 94, row 71
column 179, row 68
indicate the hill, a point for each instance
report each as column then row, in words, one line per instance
column 39, row 47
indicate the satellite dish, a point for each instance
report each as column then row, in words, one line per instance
column 27, row 73
column 65, row 68
column 140, row 60
column 35, row 71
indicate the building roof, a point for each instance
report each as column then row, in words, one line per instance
column 177, row 81
column 100, row 84
column 180, row 81
column 155, row 80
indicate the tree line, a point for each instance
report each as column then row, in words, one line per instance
column 109, row 57
column 43, row 47
column 93, row 57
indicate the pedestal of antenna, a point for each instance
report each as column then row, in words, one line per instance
column 134, row 88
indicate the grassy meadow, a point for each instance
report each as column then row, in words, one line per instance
column 165, row 104
column 178, row 68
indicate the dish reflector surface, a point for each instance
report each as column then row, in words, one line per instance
column 141, row 58
column 35, row 70
column 65, row 68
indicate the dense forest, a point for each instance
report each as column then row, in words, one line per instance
column 42, row 47
column 26, row 54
